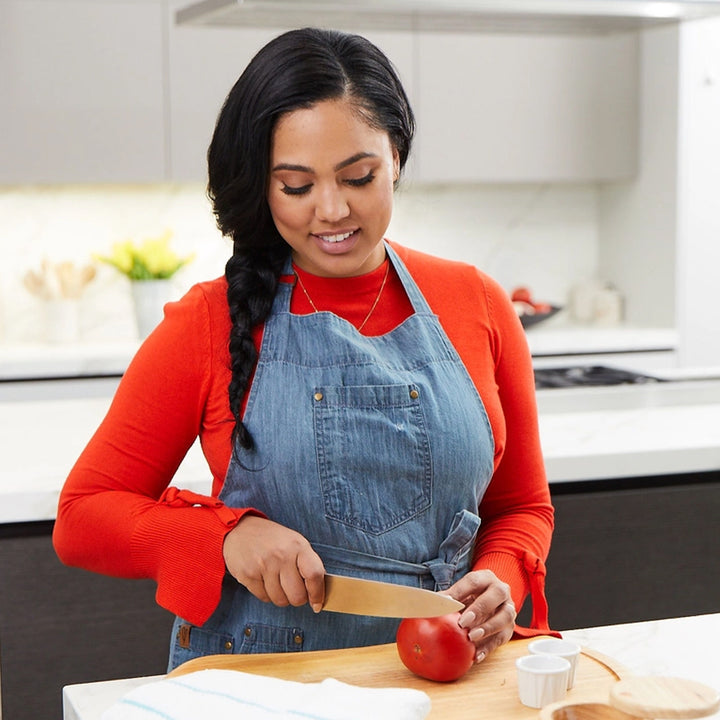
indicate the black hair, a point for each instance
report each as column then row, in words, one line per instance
column 295, row 70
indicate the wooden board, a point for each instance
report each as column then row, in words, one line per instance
column 487, row 691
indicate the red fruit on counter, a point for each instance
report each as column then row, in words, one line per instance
column 435, row 648
column 522, row 294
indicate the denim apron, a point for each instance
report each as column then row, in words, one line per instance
column 377, row 449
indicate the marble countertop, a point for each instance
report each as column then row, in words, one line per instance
column 586, row 434
column 40, row 360
column 677, row 647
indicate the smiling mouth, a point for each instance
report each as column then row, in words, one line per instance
column 337, row 238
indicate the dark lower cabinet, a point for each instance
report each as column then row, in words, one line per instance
column 634, row 549
column 61, row 626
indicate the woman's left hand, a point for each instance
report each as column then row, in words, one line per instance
column 489, row 613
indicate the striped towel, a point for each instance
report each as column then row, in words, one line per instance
column 234, row 694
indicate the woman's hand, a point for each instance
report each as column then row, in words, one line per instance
column 274, row 563
column 489, row 613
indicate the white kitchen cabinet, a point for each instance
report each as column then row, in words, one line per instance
column 489, row 107
column 505, row 108
column 205, row 62
column 81, row 91
column 117, row 92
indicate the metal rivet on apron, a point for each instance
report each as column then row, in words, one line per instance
column 228, row 644
column 248, row 631
column 298, row 639
column 318, row 396
column 414, row 394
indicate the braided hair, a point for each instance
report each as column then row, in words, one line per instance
column 295, row 70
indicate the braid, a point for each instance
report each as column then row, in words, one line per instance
column 252, row 280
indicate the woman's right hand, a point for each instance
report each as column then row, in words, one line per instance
column 276, row 564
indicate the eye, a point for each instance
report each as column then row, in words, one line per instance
column 359, row 182
column 291, row 190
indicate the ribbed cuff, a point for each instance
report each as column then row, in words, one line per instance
column 509, row 569
column 181, row 548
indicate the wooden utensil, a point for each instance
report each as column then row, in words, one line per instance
column 488, row 691
column 636, row 697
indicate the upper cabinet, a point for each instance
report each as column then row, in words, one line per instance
column 504, row 108
column 82, row 91
column 205, row 62
column 117, row 91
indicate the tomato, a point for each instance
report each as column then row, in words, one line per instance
column 522, row 294
column 435, row 648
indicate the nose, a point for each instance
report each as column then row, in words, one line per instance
column 332, row 205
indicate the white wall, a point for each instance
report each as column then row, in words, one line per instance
column 544, row 236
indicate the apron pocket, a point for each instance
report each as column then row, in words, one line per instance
column 373, row 455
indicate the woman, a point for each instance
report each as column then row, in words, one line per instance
column 361, row 406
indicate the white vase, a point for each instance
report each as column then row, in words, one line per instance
column 149, row 298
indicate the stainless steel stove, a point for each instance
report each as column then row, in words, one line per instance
column 588, row 375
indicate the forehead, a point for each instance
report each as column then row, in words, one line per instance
column 330, row 127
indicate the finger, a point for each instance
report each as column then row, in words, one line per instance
column 312, row 570
column 494, row 632
column 293, row 585
column 275, row 590
column 492, row 643
column 504, row 618
column 257, row 588
column 469, row 586
column 485, row 605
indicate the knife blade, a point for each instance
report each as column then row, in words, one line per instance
column 371, row 597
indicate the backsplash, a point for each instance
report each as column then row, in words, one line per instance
column 544, row 236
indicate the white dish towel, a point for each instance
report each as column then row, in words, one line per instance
column 234, row 694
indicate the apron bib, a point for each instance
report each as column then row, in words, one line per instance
column 377, row 449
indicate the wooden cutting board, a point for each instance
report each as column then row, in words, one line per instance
column 487, row 691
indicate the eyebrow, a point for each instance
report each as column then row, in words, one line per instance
column 303, row 168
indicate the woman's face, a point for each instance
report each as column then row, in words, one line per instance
column 330, row 189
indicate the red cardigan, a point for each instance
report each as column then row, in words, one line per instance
column 117, row 515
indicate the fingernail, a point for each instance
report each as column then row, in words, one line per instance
column 476, row 633
column 480, row 657
column 317, row 607
column 467, row 619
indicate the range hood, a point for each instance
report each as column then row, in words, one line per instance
column 564, row 16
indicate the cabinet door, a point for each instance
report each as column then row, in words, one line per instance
column 61, row 626
column 81, row 90
column 634, row 549
column 496, row 108
column 205, row 62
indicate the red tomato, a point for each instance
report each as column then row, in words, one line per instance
column 522, row 294
column 435, row 648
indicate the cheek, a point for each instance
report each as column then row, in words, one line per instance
column 286, row 212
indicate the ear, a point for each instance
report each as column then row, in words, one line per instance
column 396, row 165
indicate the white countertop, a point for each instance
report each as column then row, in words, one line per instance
column 39, row 360
column 586, row 434
column 678, row 647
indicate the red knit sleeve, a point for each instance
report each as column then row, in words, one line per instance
column 116, row 514
column 516, row 511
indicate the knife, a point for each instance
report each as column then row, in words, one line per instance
column 370, row 597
